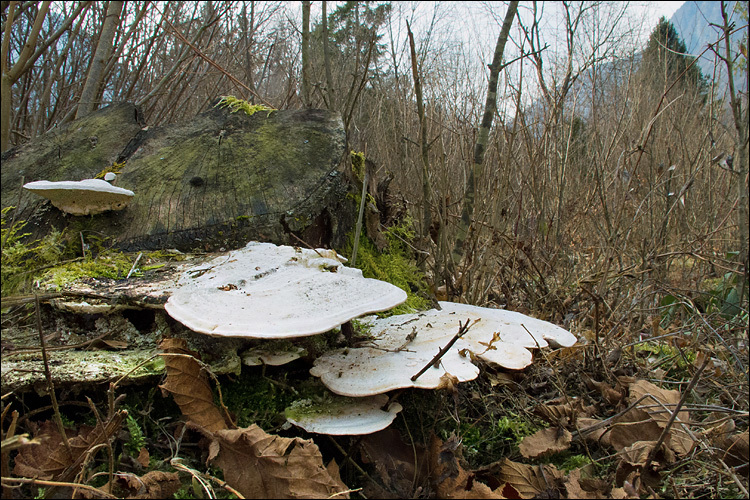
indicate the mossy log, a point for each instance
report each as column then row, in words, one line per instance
column 218, row 180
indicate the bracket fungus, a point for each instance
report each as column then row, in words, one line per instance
column 86, row 197
column 343, row 416
column 269, row 291
column 401, row 345
column 272, row 355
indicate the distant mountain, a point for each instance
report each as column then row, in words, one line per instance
column 693, row 22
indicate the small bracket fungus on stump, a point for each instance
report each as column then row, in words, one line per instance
column 402, row 345
column 269, row 291
column 343, row 416
column 86, row 197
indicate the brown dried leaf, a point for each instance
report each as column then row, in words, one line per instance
column 189, row 386
column 632, row 426
column 610, row 394
column 143, row 457
column 449, row 479
column 528, row 480
column 32, row 461
column 261, row 465
column 595, row 436
column 575, row 489
column 736, row 451
column 678, row 438
column 565, row 413
column 394, row 461
column 53, row 460
column 154, row 484
column 545, row 441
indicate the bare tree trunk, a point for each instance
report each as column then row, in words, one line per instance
column 741, row 146
column 11, row 75
column 306, row 53
column 330, row 91
column 484, row 131
column 87, row 102
column 426, row 213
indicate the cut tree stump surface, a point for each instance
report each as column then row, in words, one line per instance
column 218, row 180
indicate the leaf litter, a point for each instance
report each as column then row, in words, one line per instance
column 623, row 423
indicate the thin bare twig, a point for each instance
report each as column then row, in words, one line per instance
column 461, row 331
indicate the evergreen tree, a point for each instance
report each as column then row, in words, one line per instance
column 666, row 57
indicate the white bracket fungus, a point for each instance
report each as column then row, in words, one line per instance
column 269, row 291
column 272, row 355
column 343, row 416
column 86, row 197
column 402, row 345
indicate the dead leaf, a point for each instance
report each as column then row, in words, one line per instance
column 545, row 441
column 400, row 466
column 736, row 451
column 449, row 479
column 528, row 480
column 154, row 484
column 610, row 394
column 632, row 426
column 575, row 489
column 188, row 384
column 143, row 457
column 261, row 465
column 678, row 438
column 32, row 461
column 593, row 436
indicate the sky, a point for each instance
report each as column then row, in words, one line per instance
column 665, row 9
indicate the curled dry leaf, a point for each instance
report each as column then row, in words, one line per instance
column 632, row 426
column 261, row 465
column 577, row 488
column 678, row 438
column 528, row 480
column 450, row 480
column 545, row 441
column 52, row 460
column 188, row 384
column 400, row 466
column 154, row 484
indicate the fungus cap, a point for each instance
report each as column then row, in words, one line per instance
column 269, row 291
column 271, row 356
column 390, row 359
column 86, row 197
column 343, row 416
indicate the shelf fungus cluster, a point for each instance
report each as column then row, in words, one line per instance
column 269, row 292
column 274, row 292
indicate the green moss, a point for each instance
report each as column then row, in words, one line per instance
column 115, row 168
column 110, row 264
column 395, row 265
column 234, row 104
column 23, row 262
column 358, row 165
column 255, row 399
column 572, row 462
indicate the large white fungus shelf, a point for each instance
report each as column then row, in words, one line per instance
column 389, row 359
column 269, row 291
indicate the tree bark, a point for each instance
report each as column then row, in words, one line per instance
column 330, row 92
column 490, row 106
column 87, row 102
column 426, row 213
column 11, row 75
column 741, row 146
column 306, row 53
